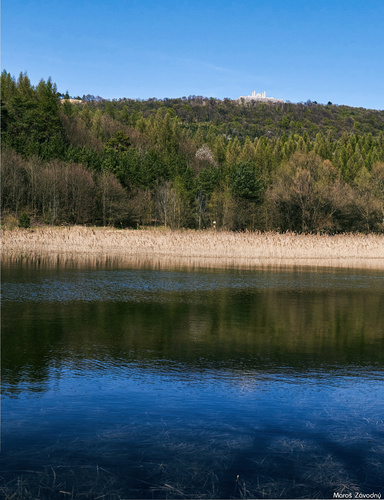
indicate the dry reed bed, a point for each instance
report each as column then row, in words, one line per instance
column 195, row 248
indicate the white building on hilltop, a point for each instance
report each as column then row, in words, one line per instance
column 259, row 97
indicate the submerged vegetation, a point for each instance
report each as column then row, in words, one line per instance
column 284, row 467
column 191, row 162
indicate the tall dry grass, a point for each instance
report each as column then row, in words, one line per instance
column 193, row 248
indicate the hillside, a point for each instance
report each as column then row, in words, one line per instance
column 190, row 162
column 253, row 119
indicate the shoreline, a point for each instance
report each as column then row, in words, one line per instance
column 163, row 248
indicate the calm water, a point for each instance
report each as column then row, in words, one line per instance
column 136, row 383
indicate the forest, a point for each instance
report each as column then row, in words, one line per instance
column 191, row 162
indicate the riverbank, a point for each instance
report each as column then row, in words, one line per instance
column 162, row 248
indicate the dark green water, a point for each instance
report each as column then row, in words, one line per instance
column 135, row 383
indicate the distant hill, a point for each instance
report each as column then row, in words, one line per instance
column 255, row 118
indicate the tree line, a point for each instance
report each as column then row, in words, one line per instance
column 189, row 163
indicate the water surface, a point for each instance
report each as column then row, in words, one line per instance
column 137, row 383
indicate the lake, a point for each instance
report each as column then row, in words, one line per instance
column 144, row 383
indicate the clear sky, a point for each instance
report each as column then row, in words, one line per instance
column 323, row 50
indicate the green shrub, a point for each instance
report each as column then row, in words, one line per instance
column 24, row 220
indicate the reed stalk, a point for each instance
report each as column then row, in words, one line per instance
column 195, row 248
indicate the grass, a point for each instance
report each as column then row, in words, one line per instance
column 159, row 247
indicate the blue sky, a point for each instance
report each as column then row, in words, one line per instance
column 324, row 50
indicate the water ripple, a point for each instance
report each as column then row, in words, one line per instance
column 139, row 285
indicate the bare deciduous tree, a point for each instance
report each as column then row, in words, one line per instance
column 164, row 195
column 13, row 181
column 112, row 199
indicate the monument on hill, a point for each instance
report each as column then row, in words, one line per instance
column 259, row 97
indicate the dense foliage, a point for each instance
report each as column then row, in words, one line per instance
column 189, row 162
